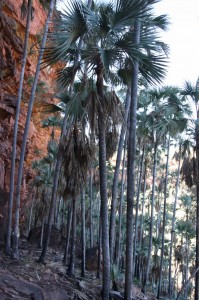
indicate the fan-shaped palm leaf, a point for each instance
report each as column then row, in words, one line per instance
column 126, row 12
column 65, row 77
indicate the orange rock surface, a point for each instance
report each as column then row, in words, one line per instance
column 12, row 32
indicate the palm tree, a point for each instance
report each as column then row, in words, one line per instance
column 91, row 207
column 63, row 83
column 83, row 233
column 193, row 93
column 71, row 266
column 30, row 106
column 137, row 34
column 173, row 122
column 69, row 221
column 151, row 121
column 151, row 217
column 183, row 148
column 12, row 171
column 116, row 176
column 103, row 47
column 123, row 181
column 142, row 137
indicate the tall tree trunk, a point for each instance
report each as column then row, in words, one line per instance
column 31, row 210
column 91, row 209
column 14, row 145
column 103, row 183
column 120, row 207
column 131, row 169
column 141, row 223
column 83, row 233
column 69, row 222
column 164, row 219
column 186, row 265
column 42, row 232
column 25, row 135
column 58, row 216
column 197, row 210
column 116, row 176
column 52, row 206
column 170, row 288
column 137, row 206
column 152, row 216
column 158, row 222
column 57, row 170
column 71, row 267
column 99, row 248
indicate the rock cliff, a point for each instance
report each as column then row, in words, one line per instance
column 12, row 32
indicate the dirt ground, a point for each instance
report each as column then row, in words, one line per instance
column 28, row 279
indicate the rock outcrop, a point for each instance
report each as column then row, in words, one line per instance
column 12, row 32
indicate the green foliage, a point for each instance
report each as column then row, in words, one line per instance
column 186, row 228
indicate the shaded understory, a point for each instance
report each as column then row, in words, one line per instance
column 28, row 279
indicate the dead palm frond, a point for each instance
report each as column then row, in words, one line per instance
column 189, row 171
column 78, row 153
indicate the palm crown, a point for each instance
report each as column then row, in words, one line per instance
column 106, row 31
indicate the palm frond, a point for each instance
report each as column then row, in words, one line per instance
column 74, row 107
column 153, row 68
column 92, row 110
column 113, row 78
column 48, row 108
column 160, row 22
column 78, row 154
column 68, row 28
column 104, row 18
column 188, row 89
column 125, row 75
column 108, row 57
column 66, row 76
column 126, row 12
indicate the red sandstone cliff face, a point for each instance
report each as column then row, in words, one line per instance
column 12, row 31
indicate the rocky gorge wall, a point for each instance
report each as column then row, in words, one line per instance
column 12, row 32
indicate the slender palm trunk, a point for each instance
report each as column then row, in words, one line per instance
column 71, row 267
column 14, row 145
column 138, row 163
column 158, row 222
column 52, row 206
column 118, row 252
column 57, row 170
column 25, row 135
column 69, row 222
column 58, row 215
column 103, row 184
column 116, row 176
column 170, row 289
column 197, row 210
column 91, row 209
column 141, row 224
column 137, row 206
column 164, row 219
column 131, row 170
column 42, row 232
column 99, row 248
column 152, row 217
column 83, row 234
column 186, row 265
column 31, row 211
